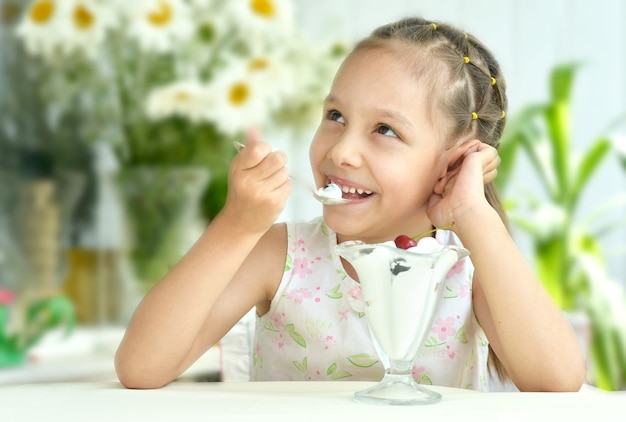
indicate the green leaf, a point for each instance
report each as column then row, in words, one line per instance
column 590, row 163
column 290, row 329
column 432, row 342
column 339, row 375
column 289, row 263
column 332, row 368
column 363, row 360
column 269, row 326
column 460, row 335
column 552, row 270
column 301, row 366
column 335, row 293
column 425, row 380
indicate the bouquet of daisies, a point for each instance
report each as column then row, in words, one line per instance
column 172, row 81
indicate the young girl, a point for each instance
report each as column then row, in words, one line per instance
column 409, row 132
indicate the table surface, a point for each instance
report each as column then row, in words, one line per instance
column 87, row 355
column 301, row 401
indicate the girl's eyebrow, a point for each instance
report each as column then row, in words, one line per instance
column 394, row 115
column 385, row 113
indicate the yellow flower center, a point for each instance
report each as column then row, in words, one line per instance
column 258, row 64
column 42, row 11
column 162, row 16
column 83, row 17
column 239, row 94
column 182, row 97
column 264, row 8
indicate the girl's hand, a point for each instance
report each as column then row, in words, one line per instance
column 463, row 186
column 258, row 185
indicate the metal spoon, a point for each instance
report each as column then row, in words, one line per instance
column 328, row 195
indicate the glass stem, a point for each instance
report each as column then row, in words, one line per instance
column 400, row 367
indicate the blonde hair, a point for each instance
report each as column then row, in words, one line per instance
column 467, row 89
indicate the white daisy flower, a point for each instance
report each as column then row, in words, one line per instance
column 270, row 73
column 264, row 18
column 87, row 24
column 189, row 99
column 40, row 26
column 159, row 25
column 239, row 100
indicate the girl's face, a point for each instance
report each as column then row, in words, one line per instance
column 376, row 140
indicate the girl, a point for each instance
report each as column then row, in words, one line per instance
column 409, row 132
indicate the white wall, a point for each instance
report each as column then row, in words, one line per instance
column 529, row 37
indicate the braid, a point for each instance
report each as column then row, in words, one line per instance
column 467, row 86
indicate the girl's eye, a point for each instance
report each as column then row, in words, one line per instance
column 387, row 131
column 334, row 115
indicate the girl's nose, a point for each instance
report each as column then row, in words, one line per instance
column 346, row 152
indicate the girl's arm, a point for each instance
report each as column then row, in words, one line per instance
column 236, row 264
column 527, row 331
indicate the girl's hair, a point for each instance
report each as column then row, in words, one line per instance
column 467, row 89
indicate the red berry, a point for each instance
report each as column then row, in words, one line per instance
column 404, row 242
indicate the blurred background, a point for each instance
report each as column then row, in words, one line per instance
column 116, row 129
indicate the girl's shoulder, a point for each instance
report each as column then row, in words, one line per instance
column 315, row 234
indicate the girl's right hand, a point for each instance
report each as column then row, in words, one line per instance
column 258, row 185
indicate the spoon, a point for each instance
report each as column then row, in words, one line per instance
column 328, row 195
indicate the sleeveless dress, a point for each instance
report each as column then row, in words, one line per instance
column 315, row 328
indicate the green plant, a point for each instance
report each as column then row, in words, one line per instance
column 40, row 316
column 567, row 250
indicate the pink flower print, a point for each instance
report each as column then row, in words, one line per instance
column 277, row 320
column 464, row 290
column 456, row 268
column 444, row 328
column 301, row 267
column 297, row 295
column 343, row 315
column 355, row 292
column 280, row 341
column 417, row 372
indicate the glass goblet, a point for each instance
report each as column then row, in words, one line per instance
column 400, row 289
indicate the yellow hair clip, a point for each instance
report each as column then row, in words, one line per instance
column 474, row 115
column 502, row 114
column 434, row 25
column 493, row 81
column 466, row 59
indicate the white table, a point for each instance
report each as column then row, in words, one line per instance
column 87, row 355
column 289, row 401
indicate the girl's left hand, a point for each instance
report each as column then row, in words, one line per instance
column 463, row 187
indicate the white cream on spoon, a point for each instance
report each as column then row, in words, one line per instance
column 330, row 194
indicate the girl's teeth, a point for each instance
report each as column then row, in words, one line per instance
column 348, row 189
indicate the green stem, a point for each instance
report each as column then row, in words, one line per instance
column 422, row 234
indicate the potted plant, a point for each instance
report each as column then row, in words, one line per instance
column 24, row 322
column 566, row 246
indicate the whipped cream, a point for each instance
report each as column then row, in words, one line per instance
column 331, row 191
column 401, row 289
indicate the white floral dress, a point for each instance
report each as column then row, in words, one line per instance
column 315, row 328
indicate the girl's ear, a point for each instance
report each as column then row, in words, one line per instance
column 456, row 155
